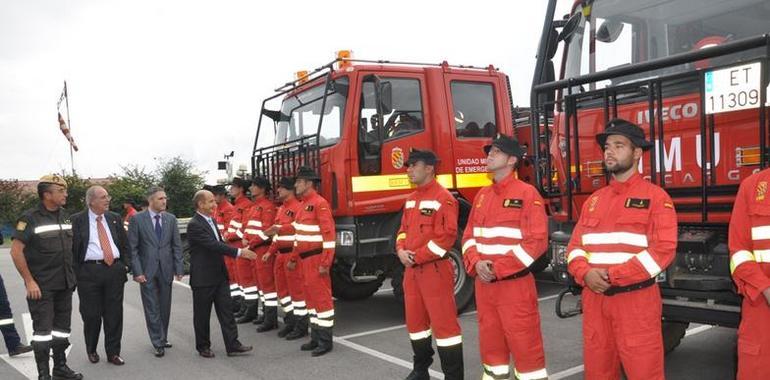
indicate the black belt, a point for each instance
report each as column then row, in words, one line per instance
column 99, row 261
column 285, row 250
column 264, row 243
column 311, row 252
column 518, row 274
column 630, row 288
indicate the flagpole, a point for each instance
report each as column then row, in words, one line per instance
column 67, row 103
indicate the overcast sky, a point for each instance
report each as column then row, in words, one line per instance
column 155, row 78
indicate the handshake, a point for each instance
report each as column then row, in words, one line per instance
column 248, row 254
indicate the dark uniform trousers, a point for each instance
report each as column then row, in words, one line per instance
column 10, row 334
column 100, row 288
column 51, row 317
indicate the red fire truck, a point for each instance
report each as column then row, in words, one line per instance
column 694, row 75
column 355, row 122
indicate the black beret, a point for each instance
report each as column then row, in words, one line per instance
column 426, row 156
column 623, row 128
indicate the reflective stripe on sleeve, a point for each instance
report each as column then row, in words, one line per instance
column 739, row 258
column 575, row 253
column 438, row 251
column 468, row 243
column 648, row 263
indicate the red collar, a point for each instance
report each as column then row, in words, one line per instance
column 622, row 187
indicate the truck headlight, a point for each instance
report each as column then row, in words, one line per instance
column 559, row 254
column 345, row 238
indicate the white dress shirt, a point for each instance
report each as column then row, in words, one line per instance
column 94, row 250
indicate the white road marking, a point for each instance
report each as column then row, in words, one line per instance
column 580, row 368
column 25, row 363
column 384, row 356
column 180, row 283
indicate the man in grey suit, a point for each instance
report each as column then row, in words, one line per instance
column 157, row 258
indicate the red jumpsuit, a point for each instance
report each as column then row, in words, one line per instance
column 749, row 242
column 260, row 217
column 315, row 242
column 289, row 283
column 508, row 226
column 429, row 229
column 223, row 214
column 234, row 237
column 130, row 212
column 629, row 228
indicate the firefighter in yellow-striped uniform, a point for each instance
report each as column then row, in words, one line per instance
column 428, row 230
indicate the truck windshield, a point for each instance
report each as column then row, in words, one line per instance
column 613, row 33
column 300, row 114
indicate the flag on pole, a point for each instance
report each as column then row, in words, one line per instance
column 65, row 130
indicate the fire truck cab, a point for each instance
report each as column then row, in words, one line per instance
column 694, row 76
column 355, row 121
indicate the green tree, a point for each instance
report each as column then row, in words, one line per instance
column 181, row 180
column 13, row 201
column 76, row 192
column 130, row 186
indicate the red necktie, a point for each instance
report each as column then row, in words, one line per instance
column 104, row 241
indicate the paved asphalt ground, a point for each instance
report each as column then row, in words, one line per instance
column 371, row 343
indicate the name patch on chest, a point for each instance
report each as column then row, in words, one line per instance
column 513, row 203
column 309, row 208
column 637, row 203
column 427, row 211
column 290, row 213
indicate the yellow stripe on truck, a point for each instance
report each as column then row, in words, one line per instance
column 473, row 180
column 392, row 182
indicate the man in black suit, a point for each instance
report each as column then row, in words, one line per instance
column 101, row 258
column 208, row 278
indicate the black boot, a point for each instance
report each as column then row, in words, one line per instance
column 60, row 369
column 289, row 321
column 300, row 329
column 325, row 342
column 236, row 303
column 271, row 319
column 423, row 358
column 260, row 318
column 313, row 344
column 249, row 314
column 42, row 356
column 241, row 308
column 452, row 361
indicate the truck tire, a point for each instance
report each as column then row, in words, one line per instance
column 673, row 332
column 463, row 283
column 345, row 289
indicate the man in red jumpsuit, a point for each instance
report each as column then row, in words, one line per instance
column 626, row 236
column 315, row 243
column 261, row 217
column 428, row 231
column 234, row 237
column 128, row 205
column 507, row 231
column 289, row 282
column 222, row 216
column 749, row 242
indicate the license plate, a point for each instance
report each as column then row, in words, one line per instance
column 733, row 88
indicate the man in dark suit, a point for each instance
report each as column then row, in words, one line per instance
column 101, row 259
column 156, row 250
column 208, row 278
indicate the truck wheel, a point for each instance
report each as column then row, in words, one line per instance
column 673, row 332
column 463, row 283
column 185, row 255
column 345, row 289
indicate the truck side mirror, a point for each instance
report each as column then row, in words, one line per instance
column 569, row 27
column 609, row 31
